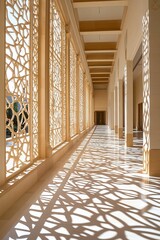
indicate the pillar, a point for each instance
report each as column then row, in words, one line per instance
column 2, row 96
column 78, row 93
column 68, row 137
column 128, row 78
column 115, row 111
column 111, row 110
column 151, row 94
column 85, row 101
column 120, row 108
column 92, row 107
column 44, row 146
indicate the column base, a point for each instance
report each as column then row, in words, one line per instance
column 120, row 132
column 116, row 129
column 129, row 140
column 151, row 162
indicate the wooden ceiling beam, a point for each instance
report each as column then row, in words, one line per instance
column 101, row 64
column 99, row 70
column 100, row 67
column 100, row 75
column 100, row 56
column 102, row 78
column 100, row 60
column 101, row 51
column 110, row 26
column 100, row 47
column 100, row 82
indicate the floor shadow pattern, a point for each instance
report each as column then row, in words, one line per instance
column 100, row 193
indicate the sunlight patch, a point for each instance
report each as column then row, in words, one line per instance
column 80, row 211
column 22, row 226
column 115, row 222
column 60, row 217
column 35, row 213
column 124, row 218
column 21, row 233
column 135, row 203
column 133, row 236
column 78, row 220
column 94, row 228
column 62, row 230
column 107, row 235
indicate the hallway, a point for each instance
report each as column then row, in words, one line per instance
column 97, row 192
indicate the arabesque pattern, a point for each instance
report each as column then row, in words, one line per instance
column 87, row 105
column 81, row 99
column 73, row 92
column 98, row 194
column 146, row 85
column 19, row 52
column 57, row 99
column 35, row 25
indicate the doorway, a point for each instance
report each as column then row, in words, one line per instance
column 140, row 116
column 100, row 117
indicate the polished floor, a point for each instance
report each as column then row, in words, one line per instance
column 97, row 192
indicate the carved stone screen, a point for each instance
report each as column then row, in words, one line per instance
column 87, row 105
column 146, row 88
column 73, row 92
column 21, row 67
column 57, row 82
column 81, row 99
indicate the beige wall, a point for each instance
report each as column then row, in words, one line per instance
column 129, row 41
column 101, row 101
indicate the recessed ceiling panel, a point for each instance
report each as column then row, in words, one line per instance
column 101, row 38
column 99, row 13
column 100, row 26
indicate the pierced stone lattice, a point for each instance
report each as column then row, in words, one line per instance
column 81, row 99
column 57, row 56
column 19, row 51
column 87, row 105
column 34, row 71
column 146, row 83
column 73, row 92
column 125, row 92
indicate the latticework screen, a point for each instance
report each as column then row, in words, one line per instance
column 87, row 105
column 146, row 88
column 73, row 92
column 21, row 65
column 57, row 82
column 81, row 99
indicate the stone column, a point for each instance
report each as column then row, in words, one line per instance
column 68, row 137
column 111, row 111
column 2, row 96
column 92, row 107
column 115, row 111
column 44, row 146
column 128, row 79
column 120, row 108
column 151, row 81
column 84, row 95
column 78, row 62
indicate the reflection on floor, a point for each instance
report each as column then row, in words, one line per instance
column 99, row 193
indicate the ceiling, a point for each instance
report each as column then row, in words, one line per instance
column 100, row 26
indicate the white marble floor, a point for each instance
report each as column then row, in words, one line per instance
column 99, row 192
